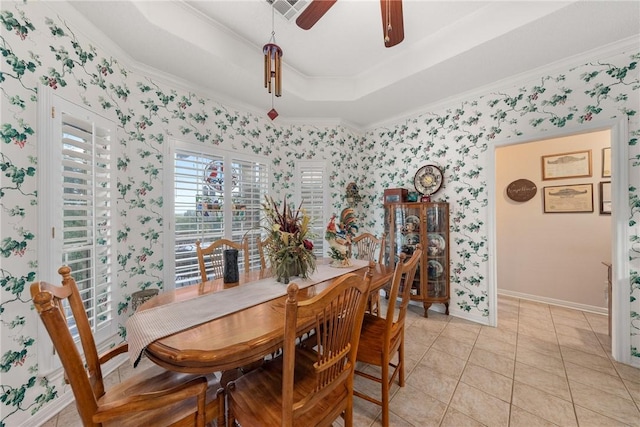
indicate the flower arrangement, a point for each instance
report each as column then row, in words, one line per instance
column 288, row 244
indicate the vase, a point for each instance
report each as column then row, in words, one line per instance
column 230, row 267
column 291, row 270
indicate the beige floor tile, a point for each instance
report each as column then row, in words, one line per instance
column 418, row 408
column 50, row 423
column 599, row 380
column 580, row 323
column 581, row 344
column 541, row 361
column 509, row 325
column 394, row 421
column 443, row 363
column 432, row 382
column 432, row 325
column 533, row 330
column 567, row 313
column 588, row 360
column 536, row 309
column 459, row 333
column 588, row 418
column 480, row 406
column 546, row 347
column 496, row 363
column 543, row 405
column 496, row 346
column 605, row 342
column 364, row 412
column 627, row 372
column 417, row 341
column 545, row 322
column 501, row 334
column 544, row 381
column 634, row 390
column 69, row 417
column 606, row 404
column 521, row 418
column 369, row 387
column 466, row 324
column 599, row 322
column 507, row 316
column 488, row 381
column 112, row 379
column 455, row 418
column 453, row 347
column 584, row 335
column 503, row 308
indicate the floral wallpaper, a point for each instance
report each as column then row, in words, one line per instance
column 40, row 47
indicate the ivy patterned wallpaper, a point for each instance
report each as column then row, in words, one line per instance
column 40, row 47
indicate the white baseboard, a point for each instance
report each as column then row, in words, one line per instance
column 552, row 301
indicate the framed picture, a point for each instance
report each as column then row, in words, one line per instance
column 568, row 198
column 576, row 164
column 606, row 162
column 605, row 198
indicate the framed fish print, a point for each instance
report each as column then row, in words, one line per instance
column 606, row 162
column 605, row 198
column 576, row 164
column 568, row 198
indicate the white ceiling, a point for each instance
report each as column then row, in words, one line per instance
column 340, row 69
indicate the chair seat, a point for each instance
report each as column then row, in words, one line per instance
column 258, row 394
column 156, row 378
column 372, row 339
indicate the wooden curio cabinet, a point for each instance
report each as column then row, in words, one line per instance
column 410, row 224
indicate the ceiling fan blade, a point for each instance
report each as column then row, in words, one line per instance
column 393, row 10
column 313, row 13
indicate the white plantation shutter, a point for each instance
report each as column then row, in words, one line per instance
column 87, row 203
column 76, row 202
column 311, row 192
column 215, row 195
column 197, row 209
column 248, row 195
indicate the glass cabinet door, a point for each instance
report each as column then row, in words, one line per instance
column 437, row 251
column 407, row 236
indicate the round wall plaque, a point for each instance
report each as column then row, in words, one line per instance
column 521, row 190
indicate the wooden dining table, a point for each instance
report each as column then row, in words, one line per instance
column 238, row 339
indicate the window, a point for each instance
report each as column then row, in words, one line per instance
column 215, row 195
column 77, row 209
column 311, row 192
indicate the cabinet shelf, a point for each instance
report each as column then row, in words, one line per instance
column 427, row 224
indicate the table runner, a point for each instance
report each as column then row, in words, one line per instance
column 146, row 326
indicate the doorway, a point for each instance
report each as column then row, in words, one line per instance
column 618, row 231
column 561, row 236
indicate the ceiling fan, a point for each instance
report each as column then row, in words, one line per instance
column 392, row 22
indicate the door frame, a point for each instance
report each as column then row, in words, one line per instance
column 620, row 326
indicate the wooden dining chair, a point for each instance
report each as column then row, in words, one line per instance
column 211, row 260
column 262, row 244
column 307, row 386
column 366, row 245
column 152, row 397
column 381, row 338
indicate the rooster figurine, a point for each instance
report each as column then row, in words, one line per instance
column 339, row 237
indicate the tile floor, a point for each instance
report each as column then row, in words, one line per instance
column 543, row 366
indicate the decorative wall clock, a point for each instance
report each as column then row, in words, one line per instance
column 428, row 179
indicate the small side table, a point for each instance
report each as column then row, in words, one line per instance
column 609, row 295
